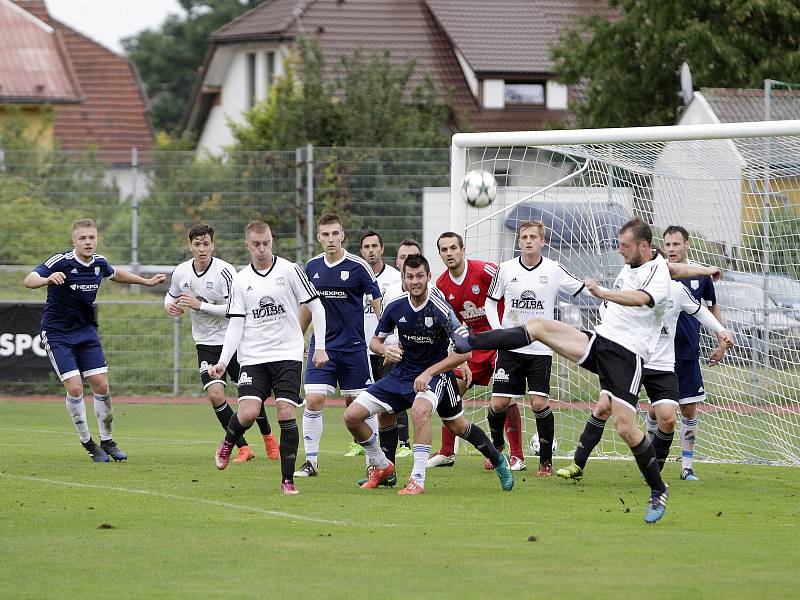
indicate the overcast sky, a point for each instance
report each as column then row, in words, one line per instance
column 108, row 21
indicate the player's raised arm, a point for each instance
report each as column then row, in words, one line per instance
column 122, row 276
column 685, row 270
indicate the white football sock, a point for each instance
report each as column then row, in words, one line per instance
column 375, row 455
column 77, row 411
column 312, row 434
column 688, row 435
column 105, row 415
column 422, row 453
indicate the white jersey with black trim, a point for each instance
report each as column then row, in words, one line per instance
column 531, row 293
column 212, row 286
column 637, row 327
column 680, row 300
column 269, row 301
column 388, row 276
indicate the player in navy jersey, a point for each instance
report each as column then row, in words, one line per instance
column 342, row 280
column 69, row 330
column 419, row 381
column 687, row 348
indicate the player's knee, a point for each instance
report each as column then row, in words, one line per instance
column 420, row 412
column 315, row 401
column 666, row 422
column 500, row 403
column 75, row 390
column 539, row 403
column 689, row 411
column 215, row 396
column 354, row 415
column 457, row 426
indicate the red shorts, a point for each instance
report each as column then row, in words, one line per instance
column 482, row 366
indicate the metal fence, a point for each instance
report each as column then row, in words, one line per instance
column 144, row 204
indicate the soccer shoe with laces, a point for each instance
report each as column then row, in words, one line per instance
column 307, row 469
column 441, row 460
column 411, row 489
column 657, row 506
column 545, row 469
column 688, row 475
column 390, row 481
column 96, row 453
column 461, row 340
column 518, row 464
column 223, row 454
column 272, row 446
column 505, row 475
column 355, row 450
column 288, row 489
column 404, row 450
column 110, row 447
column 571, row 472
column 244, row 454
column 375, row 475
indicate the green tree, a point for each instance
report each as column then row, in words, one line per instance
column 629, row 64
column 370, row 102
column 168, row 58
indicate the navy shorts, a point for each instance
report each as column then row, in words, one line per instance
column 76, row 352
column 690, row 381
column 350, row 370
column 395, row 393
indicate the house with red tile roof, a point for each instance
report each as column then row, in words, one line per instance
column 96, row 95
column 490, row 59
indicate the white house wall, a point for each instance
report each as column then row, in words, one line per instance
column 233, row 103
column 698, row 185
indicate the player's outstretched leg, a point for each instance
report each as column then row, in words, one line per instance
column 496, row 339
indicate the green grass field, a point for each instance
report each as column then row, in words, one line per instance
column 167, row 524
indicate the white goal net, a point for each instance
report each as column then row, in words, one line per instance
column 734, row 187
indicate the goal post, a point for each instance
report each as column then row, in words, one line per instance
column 735, row 187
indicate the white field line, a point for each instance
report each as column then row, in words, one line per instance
column 255, row 509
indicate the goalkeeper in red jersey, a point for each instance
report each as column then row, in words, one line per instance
column 465, row 285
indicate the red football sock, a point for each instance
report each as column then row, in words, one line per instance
column 448, row 442
column 514, row 431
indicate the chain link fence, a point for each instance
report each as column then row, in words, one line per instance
column 144, row 204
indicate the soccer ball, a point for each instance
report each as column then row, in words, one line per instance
column 478, row 188
column 534, row 444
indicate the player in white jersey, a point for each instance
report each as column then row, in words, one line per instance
column 264, row 330
column 529, row 285
column 658, row 379
column 615, row 350
column 202, row 285
column 386, row 275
